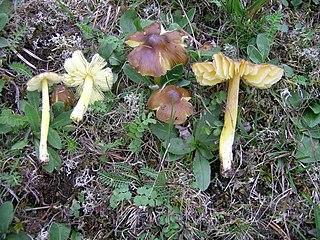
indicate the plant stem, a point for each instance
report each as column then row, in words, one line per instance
column 228, row 131
column 45, row 121
column 157, row 80
column 83, row 103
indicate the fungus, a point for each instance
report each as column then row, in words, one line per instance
column 41, row 83
column 156, row 51
column 92, row 79
column 222, row 69
column 171, row 103
column 62, row 94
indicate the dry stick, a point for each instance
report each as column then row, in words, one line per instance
column 17, row 96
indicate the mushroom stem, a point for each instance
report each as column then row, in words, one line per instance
column 230, row 122
column 45, row 121
column 83, row 103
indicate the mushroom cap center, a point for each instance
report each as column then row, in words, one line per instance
column 174, row 94
column 156, row 39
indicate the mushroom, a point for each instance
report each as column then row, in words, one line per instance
column 156, row 51
column 92, row 79
column 222, row 69
column 41, row 83
column 171, row 104
column 62, row 94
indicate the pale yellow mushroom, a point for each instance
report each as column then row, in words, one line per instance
column 40, row 83
column 222, row 69
column 91, row 80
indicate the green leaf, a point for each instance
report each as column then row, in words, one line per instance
column 3, row 20
column 208, row 121
column 6, row 216
column 11, row 119
column 163, row 131
column 204, row 150
column 20, row 144
column 300, row 79
column 6, row 6
column 316, row 210
column 310, row 118
column 18, row 236
column 61, row 120
column 172, row 157
column 54, row 161
column 76, row 235
column 34, row 99
column 54, row 139
column 1, row 85
column 179, row 146
column 288, row 71
column 3, row 42
column 57, row 108
column 308, row 149
column 263, row 44
column 107, row 45
column 186, row 19
column 4, row 128
column 315, row 107
column 173, row 76
column 285, row 3
column 296, row 99
column 59, row 231
column 141, row 200
column 21, row 68
column 296, row 3
column 136, row 77
column 202, row 171
column 254, row 54
column 127, row 21
column 33, row 117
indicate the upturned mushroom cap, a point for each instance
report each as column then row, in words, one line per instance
column 78, row 68
column 262, row 75
column 91, row 80
column 156, row 51
column 223, row 68
column 35, row 83
column 171, row 102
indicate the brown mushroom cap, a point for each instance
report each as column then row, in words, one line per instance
column 171, row 102
column 155, row 51
column 62, row 94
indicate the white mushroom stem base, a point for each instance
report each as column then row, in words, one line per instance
column 83, row 103
column 228, row 131
column 45, row 121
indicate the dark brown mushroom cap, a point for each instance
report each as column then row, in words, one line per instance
column 155, row 51
column 171, row 101
column 61, row 93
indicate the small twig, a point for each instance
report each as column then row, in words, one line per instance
column 23, row 59
column 11, row 192
column 33, row 55
column 37, row 208
column 279, row 230
column 17, row 96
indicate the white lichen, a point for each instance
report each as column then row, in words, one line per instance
column 132, row 101
column 84, row 179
